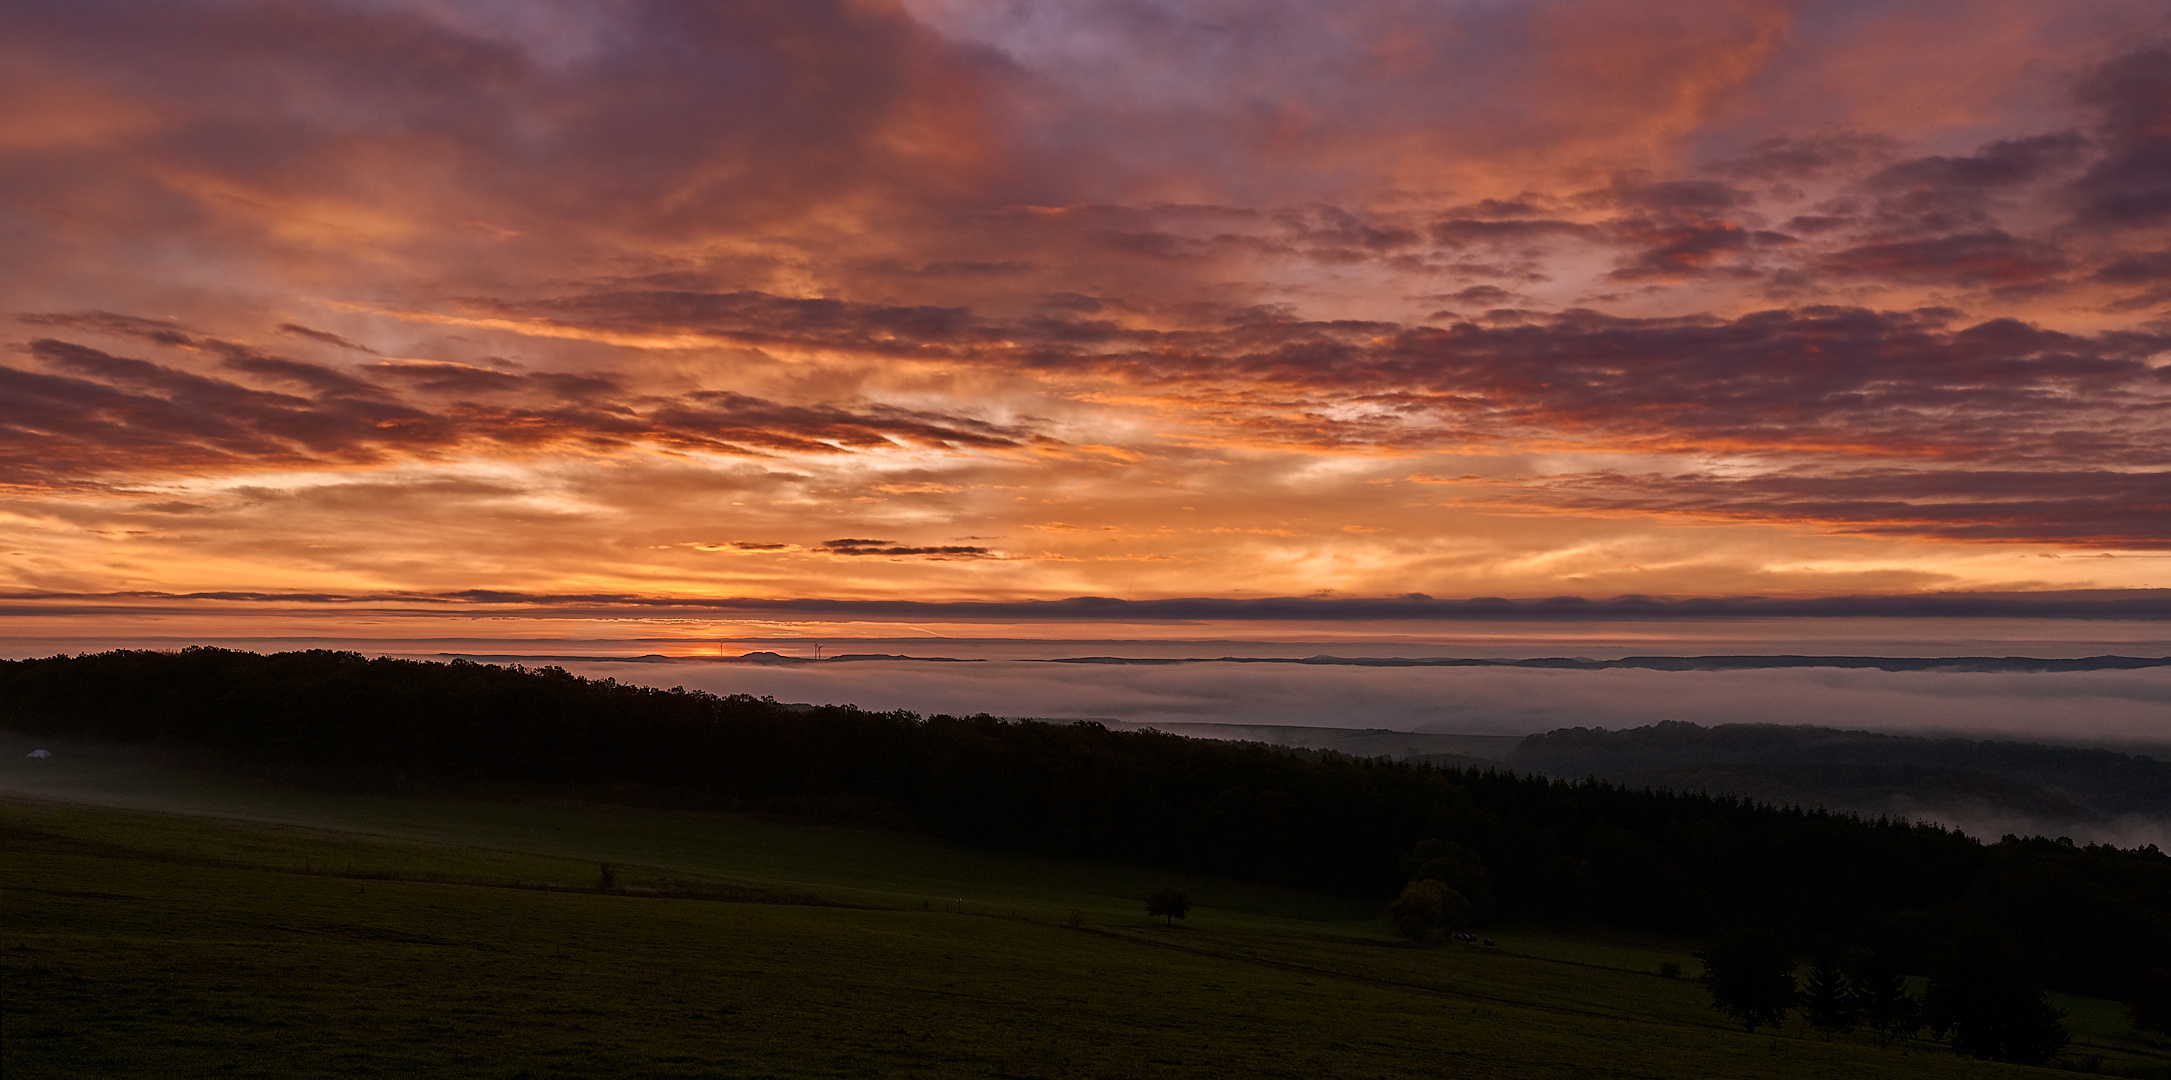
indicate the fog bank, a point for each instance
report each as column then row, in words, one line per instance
column 2085, row 708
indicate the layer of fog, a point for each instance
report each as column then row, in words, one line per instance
column 2081, row 708
column 2125, row 710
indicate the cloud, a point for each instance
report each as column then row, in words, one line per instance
column 100, row 415
column 1781, row 379
column 308, row 376
column 1484, row 295
column 1457, row 232
column 1984, row 258
column 764, row 319
column 2137, row 268
column 2138, row 604
column 162, row 331
column 2131, row 186
column 1820, row 394
column 1697, row 197
column 447, row 378
column 918, row 487
column 114, row 414
column 852, row 546
column 1816, row 389
column 1678, row 250
column 2125, row 510
column 2001, row 164
column 1794, row 158
column 324, row 337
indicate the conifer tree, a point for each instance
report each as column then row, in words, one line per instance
column 1880, row 996
column 1828, row 1000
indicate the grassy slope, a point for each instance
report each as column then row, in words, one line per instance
column 213, row 929
column 850, row 866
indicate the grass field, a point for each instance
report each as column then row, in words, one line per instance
column 159, row 922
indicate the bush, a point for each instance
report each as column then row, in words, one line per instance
column 1750, row 975
column 1427, row 907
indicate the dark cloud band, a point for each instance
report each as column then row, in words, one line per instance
column 2151, row 605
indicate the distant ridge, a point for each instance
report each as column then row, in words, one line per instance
column 659, row 658
column 1682, row 663
column 842, row 658
column 1568, row 663
column 531, row 658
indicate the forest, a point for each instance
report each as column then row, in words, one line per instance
column 2084, row 918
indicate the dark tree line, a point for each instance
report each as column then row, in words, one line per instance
column 2090, row 919
column 1985, row 994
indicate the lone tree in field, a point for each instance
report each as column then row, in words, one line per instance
column 1426, row 906
column 1751, row 978
column 1458, row 868
column 1169, row 903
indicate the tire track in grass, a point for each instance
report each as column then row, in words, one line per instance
column 1400, row 984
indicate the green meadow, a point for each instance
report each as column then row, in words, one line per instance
column 159, row 921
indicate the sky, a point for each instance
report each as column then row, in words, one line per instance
column 557, row 317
